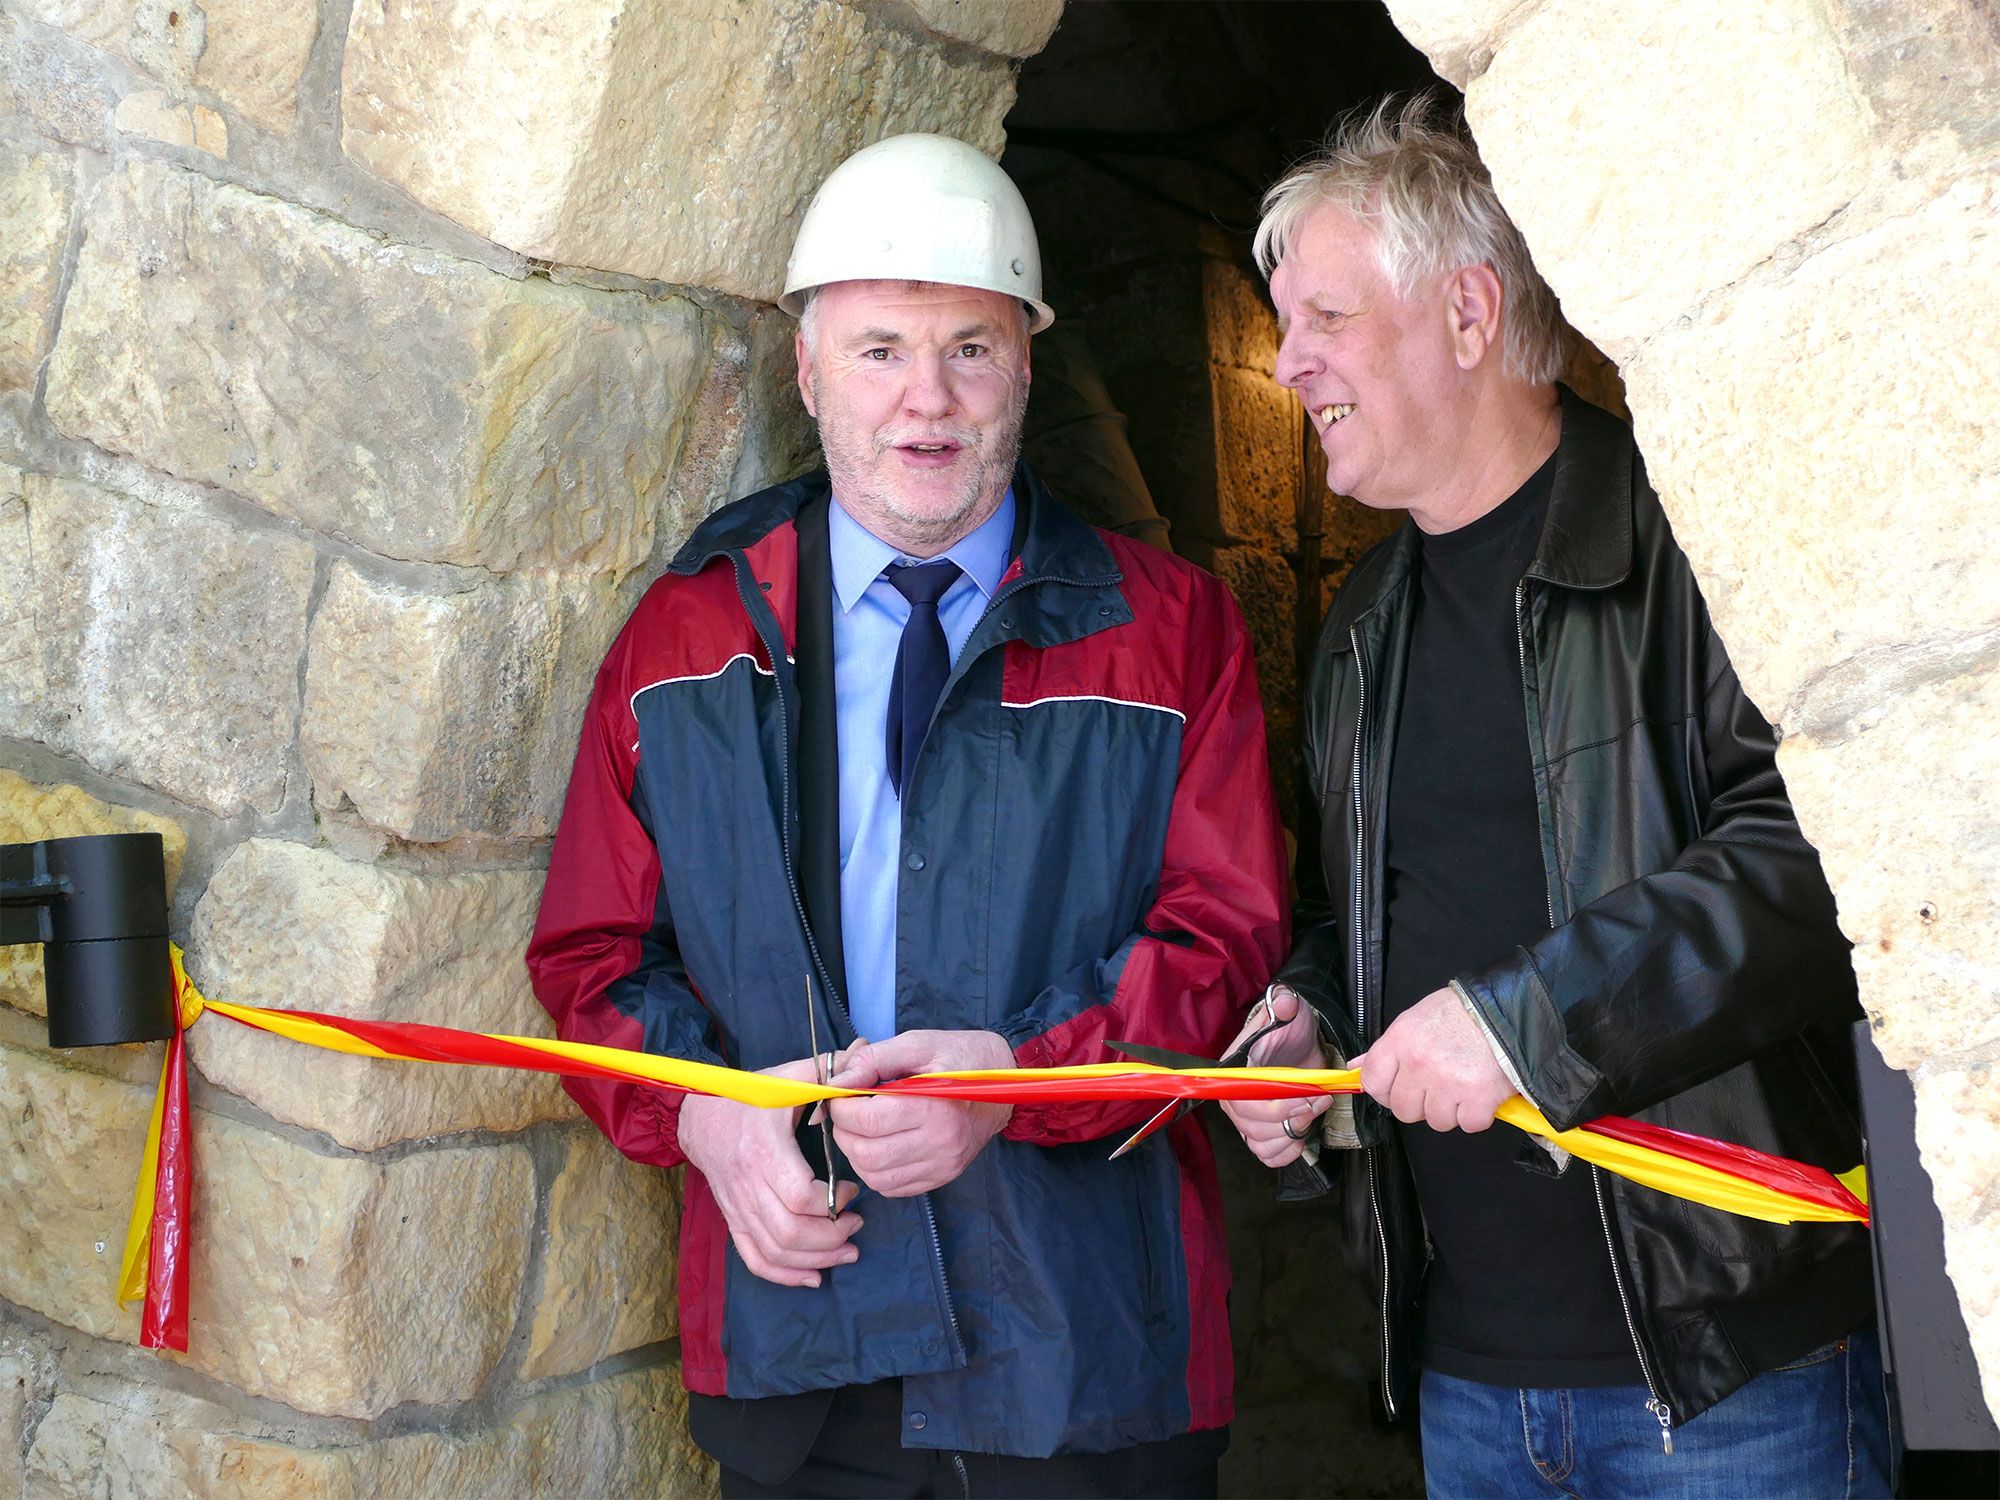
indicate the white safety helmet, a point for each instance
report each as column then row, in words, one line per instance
column 919, row 208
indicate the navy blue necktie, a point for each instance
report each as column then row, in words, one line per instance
column 923, row 660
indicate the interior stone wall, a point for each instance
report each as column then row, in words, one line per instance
column 1779, row 220
column 360, row 363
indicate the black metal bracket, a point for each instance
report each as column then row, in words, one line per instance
column 98, row 906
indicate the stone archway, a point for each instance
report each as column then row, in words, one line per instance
column 317, row 297
column 1780, row 221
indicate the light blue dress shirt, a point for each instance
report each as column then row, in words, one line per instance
column 868, row 620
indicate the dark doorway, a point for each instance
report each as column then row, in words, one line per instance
column 1143, row 137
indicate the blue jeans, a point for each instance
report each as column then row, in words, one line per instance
column 1817, row 1428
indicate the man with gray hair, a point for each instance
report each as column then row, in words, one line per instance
column 1558, row 860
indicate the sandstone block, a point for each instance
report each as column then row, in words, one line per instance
column 1958, row 1123
column 138, row 32
column 435, row 715
column 616, row 1438
column 1267, row 592
column 779, row 440
column 1459, row 36
column 335, row 1284
column 14, row 1376
column 678, row 141
column 255, row 55
column 1629, row 249
column 281, row 925
column 1241, row 330
column 118, row 1440
column 1786, row 482
column 156, row 644
column 608, row 1273
column 249, row 53
column 158, row 118
column 1012, row 28
column 29, row 811
column 421, row 406
column 347, row 1286
column 1916, row 877
column 70, row 1143
column 1924, row 66
column 1972, row 1260
column 35, row 192
column 1257, row 441
column 85, row 1447
column 51, row 85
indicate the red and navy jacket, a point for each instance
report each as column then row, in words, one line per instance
column 1090, row 850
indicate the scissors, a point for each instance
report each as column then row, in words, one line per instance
column 1299, row 1179
column 1236, row 1057
column 820, row 1060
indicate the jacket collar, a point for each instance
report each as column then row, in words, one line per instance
column 1051, row 543
column 1586, row 539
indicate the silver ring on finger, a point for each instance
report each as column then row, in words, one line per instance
column 1286, row 1126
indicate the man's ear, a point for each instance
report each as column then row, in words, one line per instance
column 1473, row 304
column 803, row 353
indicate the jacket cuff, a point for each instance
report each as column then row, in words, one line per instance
column 1520, row 1019
column 1556, row 1153
column 667, row 1117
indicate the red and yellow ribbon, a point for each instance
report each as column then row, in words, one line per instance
column 1735, row 1179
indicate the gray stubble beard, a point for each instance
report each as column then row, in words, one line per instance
column 983, row 489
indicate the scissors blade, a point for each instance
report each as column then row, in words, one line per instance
column 1174, row 1110
column 825, row 1125
column 1160, row 1057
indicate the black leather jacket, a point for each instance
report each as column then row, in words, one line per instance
column 1694, row 975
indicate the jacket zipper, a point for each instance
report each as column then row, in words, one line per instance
column 930, row 1215
column 1656, row 1404
column 777, row 650
column 812, row 947
column 944, row 1281
column 1361, row 1004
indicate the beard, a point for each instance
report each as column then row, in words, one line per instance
column 862, row 467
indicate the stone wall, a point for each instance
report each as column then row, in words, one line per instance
column 1779, row 219
column 359, row 365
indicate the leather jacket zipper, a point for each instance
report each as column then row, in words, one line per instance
column 1656, row 1404
column 1361, row 1004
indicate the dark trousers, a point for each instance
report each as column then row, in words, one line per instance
column 859, row 1453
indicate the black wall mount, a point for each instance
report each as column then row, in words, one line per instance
column 98, row 906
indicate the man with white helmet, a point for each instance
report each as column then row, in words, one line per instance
column 901, row 767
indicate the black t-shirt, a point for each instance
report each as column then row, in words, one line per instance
column 1520, row 1290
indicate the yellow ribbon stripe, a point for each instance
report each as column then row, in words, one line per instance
column 1669, row 1173
column 1694, row 1181
column 139, row 1232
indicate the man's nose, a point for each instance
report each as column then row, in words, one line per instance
column 929, row 392
column 1294, row 366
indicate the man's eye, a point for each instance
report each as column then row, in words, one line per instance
column 878, row 355
column 971, row 351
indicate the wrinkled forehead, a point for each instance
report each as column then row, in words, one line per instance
column 1329, row 252
column 915, row 309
